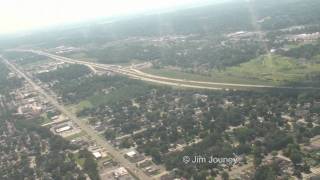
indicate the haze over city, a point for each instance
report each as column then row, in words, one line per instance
column 20, row 15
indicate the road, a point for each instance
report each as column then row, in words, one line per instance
column 130, row 135
column 136, row 74
column 138, row 173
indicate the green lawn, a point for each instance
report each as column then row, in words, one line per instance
column 84, row 57
column 276, row 69
column 81, row 56
column 79, row 161
column 267, row 70
column 76, row 135
column 74, row 108
column 43, row 119
column 119, row 94
column 82, row 105
column 221, row 77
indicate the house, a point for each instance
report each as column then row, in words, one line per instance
column 131, row 154
column 152, row 170
column 121, row 171
column 200, row 97
column 97, row 154
column 144, row 163
column 63, row 129
column 134, row 156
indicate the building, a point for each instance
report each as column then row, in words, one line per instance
column 97, row 154
column 131, row 154
column 152, row 170
column 134, row 156
column 144, row 164
column 120, row 172
column 63, row 129
column 200, row 97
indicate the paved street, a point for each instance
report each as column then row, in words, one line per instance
column 82, row 124
column 136, row 74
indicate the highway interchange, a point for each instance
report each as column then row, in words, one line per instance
column 137, row 74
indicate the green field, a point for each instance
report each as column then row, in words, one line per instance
column 82, row 105
column 43, row 119
column 214, row 77
column 74, row 136
column 80, row 161
column 75, row 108
column 81, row 56
column 123, row 93
column 267, row 70
column 276, row 69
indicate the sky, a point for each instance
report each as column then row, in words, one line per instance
column 24, row 15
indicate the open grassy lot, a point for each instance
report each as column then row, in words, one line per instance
column 80, row 55
column 123, row 93
column 267, row 70
column 80, row 134
column 43, row 119
column 276, row 69
column 82, row 105
column 84, row 56
column 80, row 161
column 221, row 77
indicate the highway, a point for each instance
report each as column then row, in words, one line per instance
column 138, row 173
column 136, row 74
column 121, row 70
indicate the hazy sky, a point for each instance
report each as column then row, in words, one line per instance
column 18, row 15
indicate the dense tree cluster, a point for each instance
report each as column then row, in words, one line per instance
column 65, row 74
column 173, row 117
column 35, row 153
column 6, row 82
column 24, row 58
column 307, row 51
column 100, row 88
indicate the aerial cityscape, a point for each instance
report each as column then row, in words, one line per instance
column 203, row 91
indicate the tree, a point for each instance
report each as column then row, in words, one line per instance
column 296, row 156
column 277, row 140
column 202, row 175
column 244, row 134
column 126, row 143
column 265, row 173
column 225, row 175
column 156, row 157
column 257, row 156
column 294, row 153
column 110, row 134
column 91, row 168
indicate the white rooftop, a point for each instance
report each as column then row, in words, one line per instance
column 131, row 153
column 97, row 154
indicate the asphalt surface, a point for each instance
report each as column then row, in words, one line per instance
column 136, row 74
column 138, row 173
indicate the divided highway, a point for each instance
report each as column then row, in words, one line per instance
column 136, row 74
